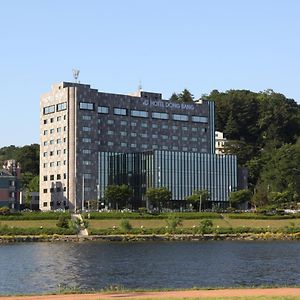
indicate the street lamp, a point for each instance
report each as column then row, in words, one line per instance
column 200, row 202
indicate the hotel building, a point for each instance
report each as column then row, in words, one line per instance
column 90, row 139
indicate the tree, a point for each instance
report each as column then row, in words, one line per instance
column 198, row 198
column 185, row 96
column 239, row 197
column 174, row 97
column 158, row 196
column 118, row 195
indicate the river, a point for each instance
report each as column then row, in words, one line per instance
column 44, row 267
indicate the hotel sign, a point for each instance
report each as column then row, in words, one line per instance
column 168, row 104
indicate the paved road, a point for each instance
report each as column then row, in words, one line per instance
column 170, row 294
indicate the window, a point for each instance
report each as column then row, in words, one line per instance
column 102, row 110
column 154, row 136
column 58, row 129
column 51, row 131
column 144, row 146
column 174, row 127
column 45, row 132
column 194, row 149
column 86, row 162
column 58, row 152
column 165, row 127
column 51, row 142
column 86, row 129
column 45, row 143
column 177, row 117
column 133, row 134
column 133, row 145
column 45, row 178
column 51, row 153
column 64, row 191
column 45, row 121
column 51, row 164
column 65, row 176
column 123, row 133
column 58, row 141
column 120, row 111
column 45, row 191
column 199, row 119
column 194, row 129
column 144, row 125
column 45, row 154
column 184, row 128
column 159, row 115
column 123, row 144
column 194, row 139
column 110, row 143
column 45, row 165
column 184, row 149
column 154, row 126
column 174, row 148
column 110, row 122
column 184, row 138
column 65, row 117
column 144, row 135
column 165, row 147
column 61, row 106
column 65, row 151
column 51, row 177
column 174, row 137
column 65, row 162
column 139, row 113
column 58, row 119
column 109, row 132
column 154, row 147
column 123, row 123
column 65, row 128
column 58, row 163
column 49, row 109
column 51, row 120
column 44, row 204
column 58, row 177
column 164, row 137
column 86, row 106
column 86, row 140
column 133, row 124
column 87, row 176
column 86, row 151
column 86, row 118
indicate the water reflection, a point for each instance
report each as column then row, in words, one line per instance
column 41, row 267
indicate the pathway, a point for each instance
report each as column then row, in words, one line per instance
column 82, row 230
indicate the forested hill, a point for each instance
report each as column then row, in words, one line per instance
column 263, row 130
column 29, row 158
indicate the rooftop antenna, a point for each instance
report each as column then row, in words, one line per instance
column 75, row 74
column 140, row 86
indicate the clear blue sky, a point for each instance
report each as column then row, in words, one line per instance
column 168, row 45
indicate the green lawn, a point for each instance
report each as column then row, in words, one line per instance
column 158, row 223
column 30, row 223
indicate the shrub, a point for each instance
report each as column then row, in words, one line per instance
column 63, row 222
column 172, row 223
column 206, row 226
column 125, row 226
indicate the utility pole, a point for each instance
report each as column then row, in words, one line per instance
column 200, row 203
column 82, row 202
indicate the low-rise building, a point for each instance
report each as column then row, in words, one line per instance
column 10, row 184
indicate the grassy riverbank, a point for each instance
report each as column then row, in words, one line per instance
column 34, row 224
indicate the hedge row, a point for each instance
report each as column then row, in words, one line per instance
column 35, row 216
column 5, row 230
column 262, row 216
column 135, row 215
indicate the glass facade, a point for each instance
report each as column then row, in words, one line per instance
column 180, row 172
